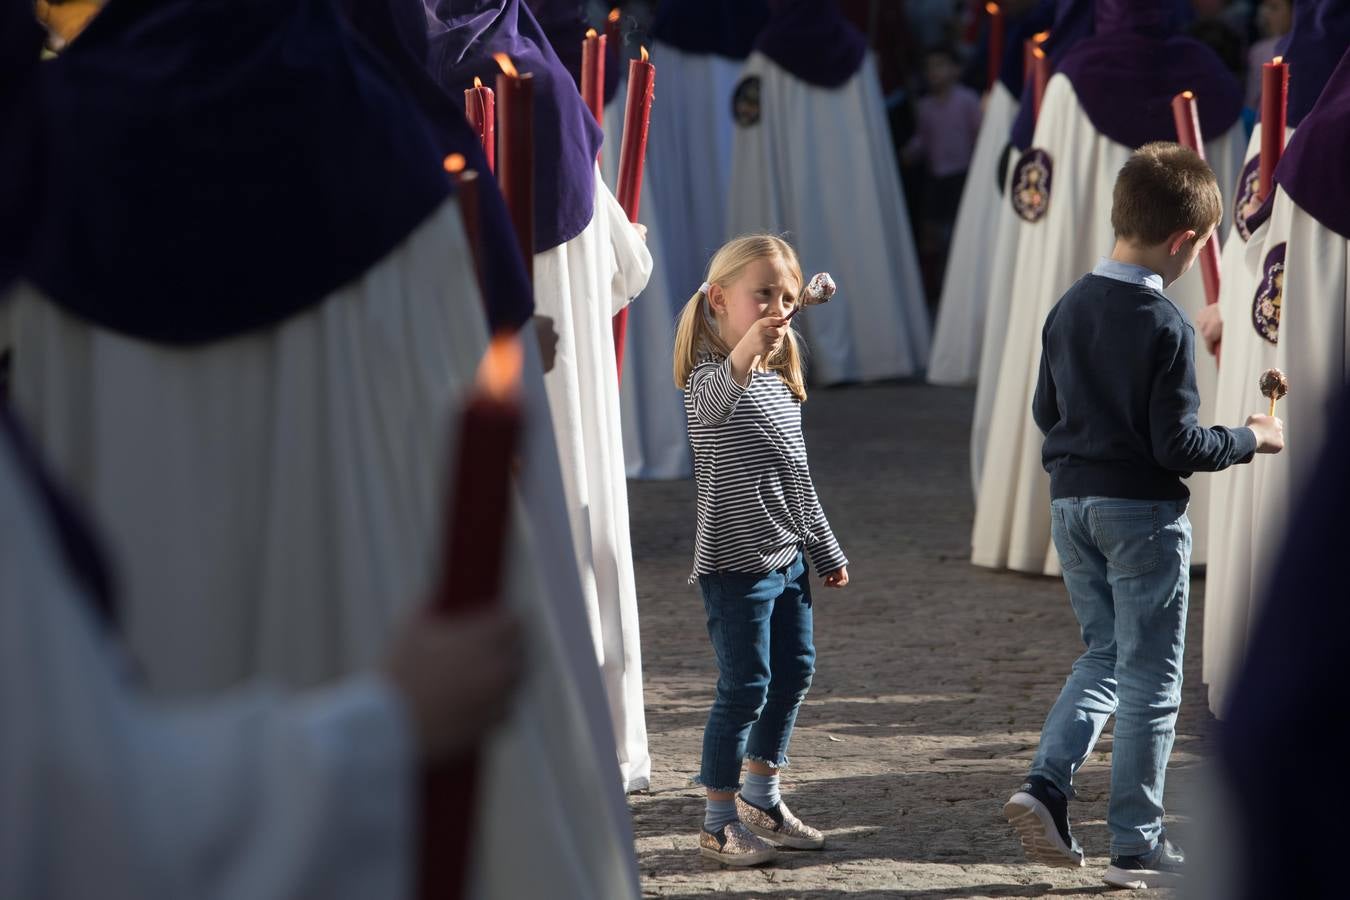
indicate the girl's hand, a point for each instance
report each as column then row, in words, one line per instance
column 838, row 578
column 763, row 338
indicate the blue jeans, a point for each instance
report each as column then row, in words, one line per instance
column 760, row 625
column 1127, row 567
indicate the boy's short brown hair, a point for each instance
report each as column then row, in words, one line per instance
column 1162, row 189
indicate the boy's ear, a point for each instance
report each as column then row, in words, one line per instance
column 1178, row 238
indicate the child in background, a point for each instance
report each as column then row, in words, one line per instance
column 1117, row 401
column 738, row 363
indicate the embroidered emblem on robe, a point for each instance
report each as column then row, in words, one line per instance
column 1270, row 296
column 745, row 101
column 1245, row 202
column 1031, row 185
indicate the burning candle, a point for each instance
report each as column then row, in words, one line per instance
column 613, row 33
column 1186, row 116
column 1274, row 103
column 480, row 110
column 632, row 156
column 466, row 182
column 593, row 74
column 515, row 167
column 472, row 554
column 995, row 59
column 1040, row 77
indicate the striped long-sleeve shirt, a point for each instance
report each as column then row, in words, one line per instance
column 756, row 504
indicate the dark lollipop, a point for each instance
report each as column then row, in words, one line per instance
column 1274, row 384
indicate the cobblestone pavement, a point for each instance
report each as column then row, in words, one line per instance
column 933, row 679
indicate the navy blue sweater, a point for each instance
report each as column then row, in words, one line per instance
column 1116, row 397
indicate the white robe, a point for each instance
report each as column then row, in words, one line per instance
column 581, row 284
column 655, row 441
column 689, row 162
column 274, row 501
column 1012, row 511
column 254, row 794
column 959, row 332
column 819, row 166
column 1314, row 352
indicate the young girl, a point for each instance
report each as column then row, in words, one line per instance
column 738, row 363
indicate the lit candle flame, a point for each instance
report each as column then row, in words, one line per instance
column 499, row 373
column 1038, row 52
column 1189, row 95
column 614, row 14
column 477, row 82
column 506, row 65
column 1278, row 60
column 1041, row 37
column 590, row 33
column 455, row 163
column 645, row 55
column 991, row 8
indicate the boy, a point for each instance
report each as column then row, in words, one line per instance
column 1116, row 400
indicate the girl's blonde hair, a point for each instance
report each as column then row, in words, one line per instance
column 696, row 336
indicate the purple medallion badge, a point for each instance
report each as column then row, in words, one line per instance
column 1031, row 185
column 1270, row 296
column 1245, row 201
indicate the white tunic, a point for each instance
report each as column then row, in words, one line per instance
column 966, row 287
column 819, row 166
column 655, row 443
column 1314, row 352
column 581, row 284
column 274, row 501
column 1012, row 510
column 254, row 794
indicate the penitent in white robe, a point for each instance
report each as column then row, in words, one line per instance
column 819, row 166
column 581, row 284
column 274, row 502
column 253, row 794
column 655, row 441
column 689, row 163
column 1313, row 350
column 1012, row 510
column 966, row 287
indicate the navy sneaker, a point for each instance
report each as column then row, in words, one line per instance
column 1040, row 814
column 1160, row 867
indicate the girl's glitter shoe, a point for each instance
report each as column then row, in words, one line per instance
column 733, row 845
column 779, row 825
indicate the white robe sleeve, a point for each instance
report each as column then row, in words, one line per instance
column 632, row 259
column 256, row 795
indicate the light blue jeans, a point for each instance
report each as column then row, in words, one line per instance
column 1126, row 564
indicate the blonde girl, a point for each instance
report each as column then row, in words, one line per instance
column 740, row 367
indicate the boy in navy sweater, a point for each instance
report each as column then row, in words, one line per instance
column 1117, row 402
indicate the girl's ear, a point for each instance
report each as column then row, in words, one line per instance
column 717, row 299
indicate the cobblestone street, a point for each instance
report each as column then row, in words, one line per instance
column 933, row 678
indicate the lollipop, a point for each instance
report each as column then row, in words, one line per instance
column 1274, row 384
column 817, row 291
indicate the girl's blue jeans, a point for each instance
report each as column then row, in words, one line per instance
column 760, row 625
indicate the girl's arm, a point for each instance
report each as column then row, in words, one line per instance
column 825, row 552
column 714, row 392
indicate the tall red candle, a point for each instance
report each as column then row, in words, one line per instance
column 1186, row 116
column 613, row 30
column 1274, row 104
column 515, row 163
column 593, row 74
column 1040, row 77
column 480, row 110
column 466, row 184
column 996, row 25
column 637, row 115
column 472, row 554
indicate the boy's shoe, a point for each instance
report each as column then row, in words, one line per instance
column 1160, row 867
column 734, row 845
column 779, row 825
column 1040, row 813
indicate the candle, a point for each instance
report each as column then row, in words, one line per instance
column 466, row 183
column 1274, row 103
column 472, row 553
column 1040, row 75
column 480, row 110
column 613, row 33
column 632, row 155
column 1186, row 117
column 995, row 58
column 515, row 165
column 593, row 74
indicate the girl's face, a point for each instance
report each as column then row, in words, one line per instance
column 764, row 289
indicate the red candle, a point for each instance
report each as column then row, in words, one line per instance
column 466, row 183
column 515, row 167
column 1186, row 115
column 613, row 33
column 480, row 110
column 1274, row 103
column 637, row 115
column 593, row 74
column 995, row 42
column 1040, row 75
column 472, row 553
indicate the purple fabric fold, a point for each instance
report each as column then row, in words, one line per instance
column 812, row 40
column 1319, row 35
column 463, row 35
column 215, row 166
column 1315, row 167
column 710, row 26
